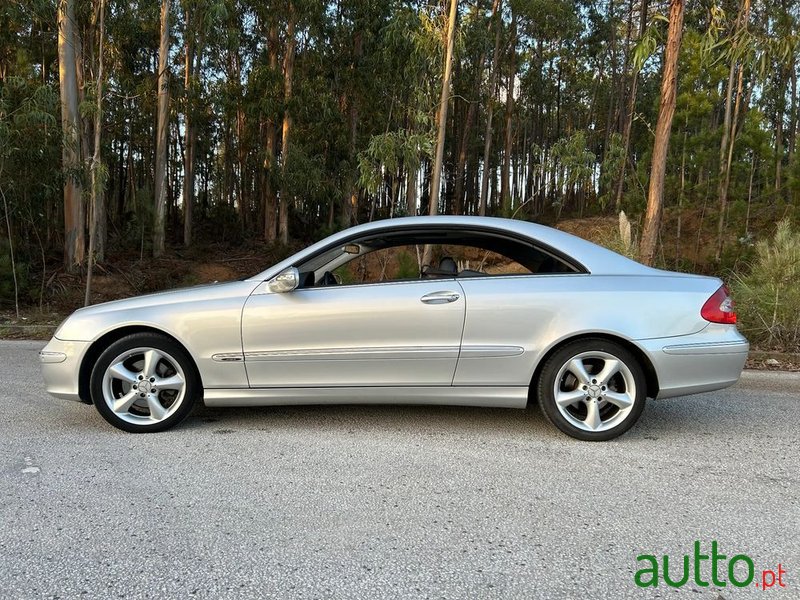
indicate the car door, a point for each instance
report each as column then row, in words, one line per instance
column 510, row 321
column 401, row 333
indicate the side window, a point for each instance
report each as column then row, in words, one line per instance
column 473, row 261
column 396, row 263
column 404, row 263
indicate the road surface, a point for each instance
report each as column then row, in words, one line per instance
column 391, row 502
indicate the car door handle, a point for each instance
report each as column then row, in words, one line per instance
column 439, row 297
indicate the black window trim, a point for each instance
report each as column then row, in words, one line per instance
column 580, row 269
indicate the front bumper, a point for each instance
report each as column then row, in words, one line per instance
column 61, row 363
column 709, row 360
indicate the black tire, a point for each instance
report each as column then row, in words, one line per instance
column 136, row 423
column 592, row 354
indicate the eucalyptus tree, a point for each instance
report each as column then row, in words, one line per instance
column 98, row 173
column 352, row 99
column 162, row 129
column 200, row 17
column 286, row 129
column 30, row 187
column 505, row 173
column 74, row 239
column 403, row 127
column 636, row 65
column 444, row 102
column 550, row 106
column 666, row 111
column 738, row 51
column 781, row 50
column 269, row 197
column 491, row 90
column 477, row 33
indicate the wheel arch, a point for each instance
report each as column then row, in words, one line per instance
column 104, row 341
column 650, row 374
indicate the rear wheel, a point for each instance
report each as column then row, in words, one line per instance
column 592, row 389
column 144, row 382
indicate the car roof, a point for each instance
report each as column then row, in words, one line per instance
column 596, row 259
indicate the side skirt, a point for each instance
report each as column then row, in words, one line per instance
column 500, row 397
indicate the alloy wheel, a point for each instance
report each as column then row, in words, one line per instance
column 594, row 391
column 144, row 386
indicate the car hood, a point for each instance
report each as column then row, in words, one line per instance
column 84, row 322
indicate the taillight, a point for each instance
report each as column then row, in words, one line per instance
column 719, row 308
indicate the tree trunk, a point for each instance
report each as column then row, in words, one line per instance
column 729, row 128
column 729, row 158
column 97, row 207
column 459, row 205
column 487, row 137
column 350, row 200
column 100, row 207
column 411, row 190
column 70, row 126
column 505, row 175
column 441, row 119
column 240, row 169
column 666, row 110
column 629, row 111
column 558, row 92
column 749, row 195
column 623, row 80
column 85, row 123
column 681, row 194
column 192, row 69
column 792, row 132
column 288, row 71
column 612, row 114
column 779, row 114
column 121, row 185
column 461, row 153
column 188, row 156
column 162, row 142
column 270, row 221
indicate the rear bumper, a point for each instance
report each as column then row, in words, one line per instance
column 709, row 360
column 61, row 362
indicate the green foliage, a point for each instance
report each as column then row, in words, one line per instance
column 303, row 176
column 29, row 149
column 610, row 169
column 366, row 85
column 7, row 278
column 407, row 267
column 646, row 46
column 388, row 151
column 575, row 161
column 27, row 121
column 136, row 230
column 769, row 296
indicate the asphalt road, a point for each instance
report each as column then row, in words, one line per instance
column 389, row 502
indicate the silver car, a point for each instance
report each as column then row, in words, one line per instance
column 423, row 310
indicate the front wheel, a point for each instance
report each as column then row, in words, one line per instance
column 144, row 382
column 592, row 389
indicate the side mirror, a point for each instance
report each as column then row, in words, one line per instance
column 285, row 281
